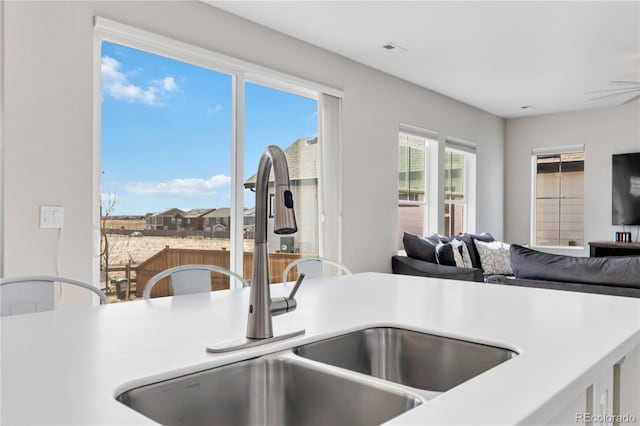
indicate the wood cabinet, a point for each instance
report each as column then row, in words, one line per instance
column 612, row 248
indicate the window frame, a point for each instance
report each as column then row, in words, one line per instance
column 469, row 182
column 424, row 148
column 240, row 72
column 548, row 151
column 431, row 178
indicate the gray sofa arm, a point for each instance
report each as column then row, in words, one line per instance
column 409, row 266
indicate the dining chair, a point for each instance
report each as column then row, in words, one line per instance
column 189, row 279
column 28, row 294
column 313, row 267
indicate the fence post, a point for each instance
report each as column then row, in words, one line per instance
column 128, row 275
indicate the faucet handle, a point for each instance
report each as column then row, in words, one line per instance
column 282, row 305
column 296, row 286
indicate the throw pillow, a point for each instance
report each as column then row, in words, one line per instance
column 444, row 253
column 461, row 254
column 453, row 253
column 419, row 248
column 466, row 256
column 618, row 271
column 469, row 241
column 495, row 257
column 457, row 255
column 436, row 239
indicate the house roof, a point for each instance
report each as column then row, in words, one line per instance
column 170, row 212
column 196, row 213
column 222, row 212
column 301, row 158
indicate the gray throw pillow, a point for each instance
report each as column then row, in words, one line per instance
column 444, row 252
column 419, row 248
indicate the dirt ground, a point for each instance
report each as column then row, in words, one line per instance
column 124, row 248
column 134, row 225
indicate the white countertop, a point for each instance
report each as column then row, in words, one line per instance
column 66, row 367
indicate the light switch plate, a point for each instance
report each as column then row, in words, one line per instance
column 51, row 216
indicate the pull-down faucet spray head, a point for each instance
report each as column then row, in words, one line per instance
column 285, row 218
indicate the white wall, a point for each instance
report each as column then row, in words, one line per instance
column 603, row 132
column 48, row 102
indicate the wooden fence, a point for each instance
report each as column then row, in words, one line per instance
column 170, row 257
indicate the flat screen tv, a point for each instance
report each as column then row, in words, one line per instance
column 626, row 189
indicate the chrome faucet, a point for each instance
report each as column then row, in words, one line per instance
column 261, row 306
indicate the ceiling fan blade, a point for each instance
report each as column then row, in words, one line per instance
column 631, row 100
column 615, row 94
column 619, row 89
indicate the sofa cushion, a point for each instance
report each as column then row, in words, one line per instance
column 495, row 257
column 617, row 271
column 419, row 248
column 410, row 266
column 469, row 241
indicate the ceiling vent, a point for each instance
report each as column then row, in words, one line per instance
column 394, row 48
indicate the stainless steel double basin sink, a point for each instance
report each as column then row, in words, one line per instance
column 364, row 377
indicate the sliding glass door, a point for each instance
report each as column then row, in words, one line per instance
column 173, row 136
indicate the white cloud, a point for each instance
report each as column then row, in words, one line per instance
column 117, row 85
column 214, row 109
column 187, row 187
column 169, row 84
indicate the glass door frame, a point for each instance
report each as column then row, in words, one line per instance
column 240, row 71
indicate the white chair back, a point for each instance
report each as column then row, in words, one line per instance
column 313, row 267
column 189, row 279
column 29, row 294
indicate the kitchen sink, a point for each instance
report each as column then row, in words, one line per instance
column 419, row 360
column 279, row 389
column 331, row 382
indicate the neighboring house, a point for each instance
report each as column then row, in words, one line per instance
column 169, row 220
column 303, row 176
column 249, row 223
column 194, row 219
column 216, row 223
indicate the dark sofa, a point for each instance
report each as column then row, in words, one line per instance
column 431, row 256
column 618, row 276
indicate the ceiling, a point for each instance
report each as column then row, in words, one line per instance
column 497, row 56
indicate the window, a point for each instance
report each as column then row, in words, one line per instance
column 454, row 206
column 413, row 171
column 459, row 189
column 180, row 143
column 292, row 126
column 558, row 182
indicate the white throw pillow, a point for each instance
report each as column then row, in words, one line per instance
column 463, row 260
column 466, row 256
column 494, row 257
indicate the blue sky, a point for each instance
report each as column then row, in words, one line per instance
column 166, row 131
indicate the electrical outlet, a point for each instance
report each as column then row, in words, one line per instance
column 51, row 216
